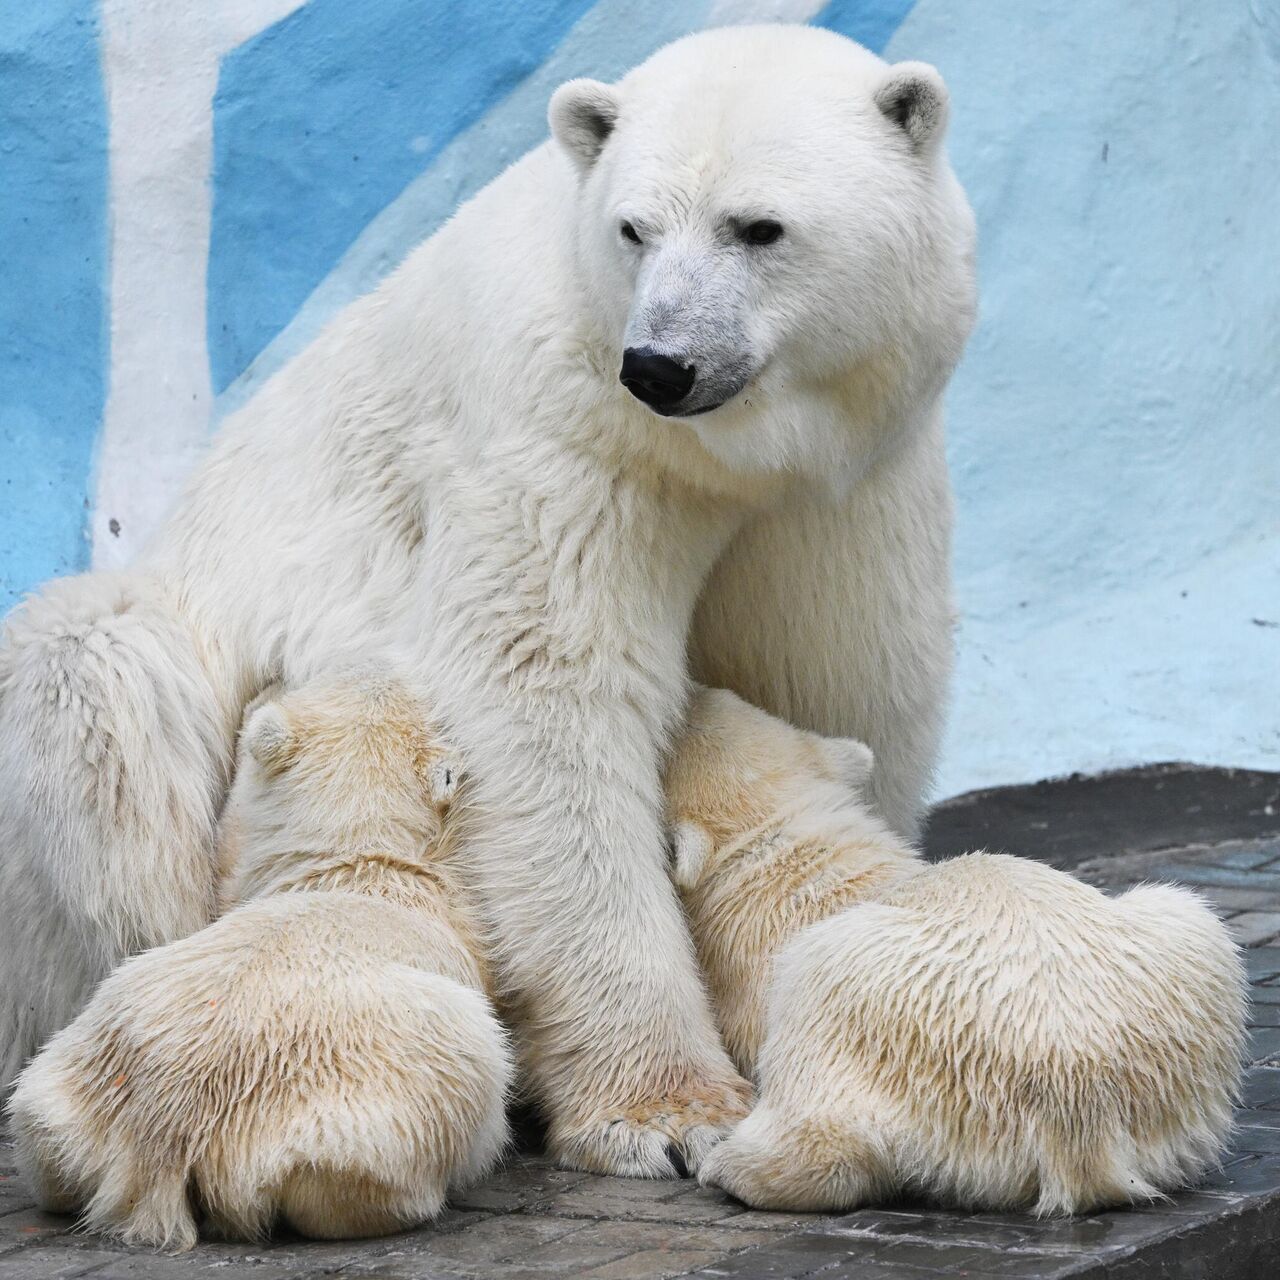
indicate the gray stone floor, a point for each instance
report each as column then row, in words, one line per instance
column 533, row 1220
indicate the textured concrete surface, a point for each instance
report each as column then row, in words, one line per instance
column 532, row 1220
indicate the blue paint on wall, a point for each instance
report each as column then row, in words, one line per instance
column 869, row 22
column 53, row 299
column 323, row 119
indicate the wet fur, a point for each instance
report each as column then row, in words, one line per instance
column 987, row 1032
column 324, row 1055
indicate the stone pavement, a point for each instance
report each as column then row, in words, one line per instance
column 532, row 1221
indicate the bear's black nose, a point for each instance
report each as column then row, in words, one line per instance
column 657, row 380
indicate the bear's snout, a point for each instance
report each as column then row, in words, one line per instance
column 656, row 380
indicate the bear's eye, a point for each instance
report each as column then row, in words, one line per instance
column 629, row 233
column 766, row 231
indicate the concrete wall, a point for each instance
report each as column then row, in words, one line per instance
column 191, row 189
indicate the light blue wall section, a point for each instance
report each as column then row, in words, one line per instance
column 1116, row 422
column 53, row 212
column 1114, row 426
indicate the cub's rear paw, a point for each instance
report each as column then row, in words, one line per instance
column 668, row 1136
column 742, row 1170
column 807, row 1166
column 161, row 1106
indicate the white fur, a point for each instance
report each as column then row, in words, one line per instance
column 989, row 1031
column 994, row 1034
column 454, row 463
column 323, row 1054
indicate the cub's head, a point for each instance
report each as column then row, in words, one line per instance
column 347, row 763
column 735, row 768
column 766, row 222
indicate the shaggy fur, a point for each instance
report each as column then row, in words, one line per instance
column 988, row 1032
column 455, row 465
column 324, row 1054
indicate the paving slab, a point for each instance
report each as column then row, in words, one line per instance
column 531, row 1221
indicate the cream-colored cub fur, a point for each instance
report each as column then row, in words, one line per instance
column 987, row 1031
column 324, row 1054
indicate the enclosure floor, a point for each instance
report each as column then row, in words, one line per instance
column 533, row 1220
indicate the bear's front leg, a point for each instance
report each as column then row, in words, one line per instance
column 596, row 966
column 556, row 656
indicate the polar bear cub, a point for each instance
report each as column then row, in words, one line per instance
column 324, row 1054
column 987, row 1031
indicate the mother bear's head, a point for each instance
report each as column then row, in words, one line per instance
column 767, row 223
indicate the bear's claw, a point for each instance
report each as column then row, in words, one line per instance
column 668, row 1137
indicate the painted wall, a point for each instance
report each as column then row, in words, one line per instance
column 190, row 190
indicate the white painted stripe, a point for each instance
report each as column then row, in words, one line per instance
column 160, row 64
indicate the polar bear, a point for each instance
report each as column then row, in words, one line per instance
column 988, row 1031
column 665, row 394
column 353, row 946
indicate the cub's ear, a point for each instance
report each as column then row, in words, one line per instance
column 441, row 778
column 852, row 760
column 268, row 738
column 582, row 114
column 690, row 845
column 913, row 97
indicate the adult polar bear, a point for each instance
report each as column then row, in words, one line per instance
column 760, row 226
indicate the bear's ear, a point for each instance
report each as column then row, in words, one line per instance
column 582, row 115
column 852, row 760
column 690, row 845
column 440, row 776
column 268, row 738
column 913, row 97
